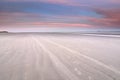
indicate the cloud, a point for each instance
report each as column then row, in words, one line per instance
column 111, row 17
column 72, row 13
column 50, row 25
column 16, row 17
column 29, row 19
column 53, row 24
column 62, row 2
column 87, row 3
column 40, row 7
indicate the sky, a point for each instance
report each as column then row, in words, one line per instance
column 45, row 15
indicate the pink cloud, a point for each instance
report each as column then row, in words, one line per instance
column 53, row 24
column 13, row 18
column 111, row 17
column 49, row 24
column 17, row 18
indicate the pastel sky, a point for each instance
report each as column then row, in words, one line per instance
column 36, row 14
